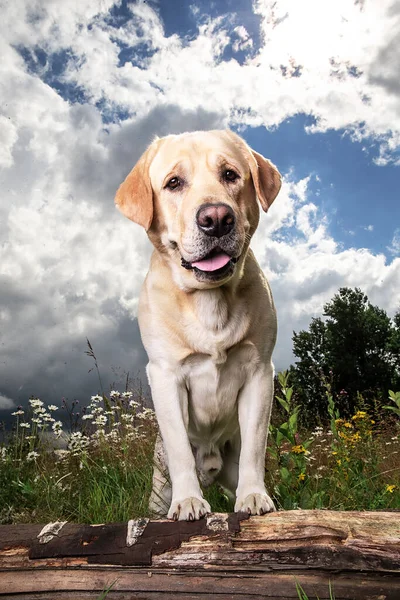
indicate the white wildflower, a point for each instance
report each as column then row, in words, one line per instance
column 127, row 417
column 87, row 417
column 35, row 402
column 17, row 413
column 98, row 434
column 31, row 456
column 52, row 407
column 318, row 431
column 36, row 420
column 147, row 413
column 114, row 394
column 127, row 394
column 133, row 403
column 25, row 425
column 100, row 420
column 77, row 442
column 96, row 398
column 113, row 435
column 3, row 454
column 48, row 418
column 57, row 428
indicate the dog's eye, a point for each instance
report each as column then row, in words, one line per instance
column 173, row 183
column 230, row 175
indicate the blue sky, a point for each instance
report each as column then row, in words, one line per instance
column 86, row 86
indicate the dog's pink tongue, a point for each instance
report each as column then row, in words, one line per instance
column 212, row 264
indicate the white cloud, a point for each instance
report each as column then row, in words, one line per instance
column 8, row 137
column 6, row 403
column 307, row 266
column 394, row 247
column 331, row 60
column 71, row 267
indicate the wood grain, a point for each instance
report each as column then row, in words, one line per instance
column 231, row 556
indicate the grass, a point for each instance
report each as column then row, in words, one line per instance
column 101, row 469
column 303, row 596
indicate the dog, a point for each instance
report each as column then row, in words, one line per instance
column 206, row 317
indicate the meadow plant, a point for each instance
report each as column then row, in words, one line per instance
column 94, row 467
column 290, row 451
column 395, row 397
column 352, row 464
column 94, row 464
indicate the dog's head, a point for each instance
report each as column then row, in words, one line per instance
column 196, row 196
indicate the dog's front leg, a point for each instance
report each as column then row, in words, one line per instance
column 254, row 407
column 171, row 405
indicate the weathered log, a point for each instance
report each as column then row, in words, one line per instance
column 228, row 555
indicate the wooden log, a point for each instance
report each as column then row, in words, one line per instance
column 229, row 555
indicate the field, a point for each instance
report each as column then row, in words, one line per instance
column 95, row 465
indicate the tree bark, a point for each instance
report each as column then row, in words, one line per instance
column 231, row 556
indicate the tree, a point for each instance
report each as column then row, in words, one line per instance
column 356, row 348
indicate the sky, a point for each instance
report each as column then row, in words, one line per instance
column 85, row 85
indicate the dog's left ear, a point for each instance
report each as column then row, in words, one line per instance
column 134, row 197
column 266, row 178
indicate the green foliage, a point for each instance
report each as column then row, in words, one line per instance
column 303, row 596
column 353, row 464
column 289, row 452
column 356, row 347
column 103, row 472
column 395, row 396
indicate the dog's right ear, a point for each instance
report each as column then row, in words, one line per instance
column 134, row 197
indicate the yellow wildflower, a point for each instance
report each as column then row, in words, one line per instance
column 390, row 488
column 298, row 449
column 356, row 437
column 334, row 453
column 302, row 476
column 348, row 425
column 360, row 414
column 339, row 462
column 338, row 421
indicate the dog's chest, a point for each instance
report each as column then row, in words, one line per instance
column 215, row 327
column 213, row 390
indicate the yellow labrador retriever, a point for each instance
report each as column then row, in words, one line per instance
column 206, row 317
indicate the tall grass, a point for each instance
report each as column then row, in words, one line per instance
column 95, row 465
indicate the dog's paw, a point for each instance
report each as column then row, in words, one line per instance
column 255, row 504
column 189, row 509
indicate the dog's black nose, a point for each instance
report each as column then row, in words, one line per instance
column 215, row 219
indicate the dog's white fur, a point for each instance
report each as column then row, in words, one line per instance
column 209, row 342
